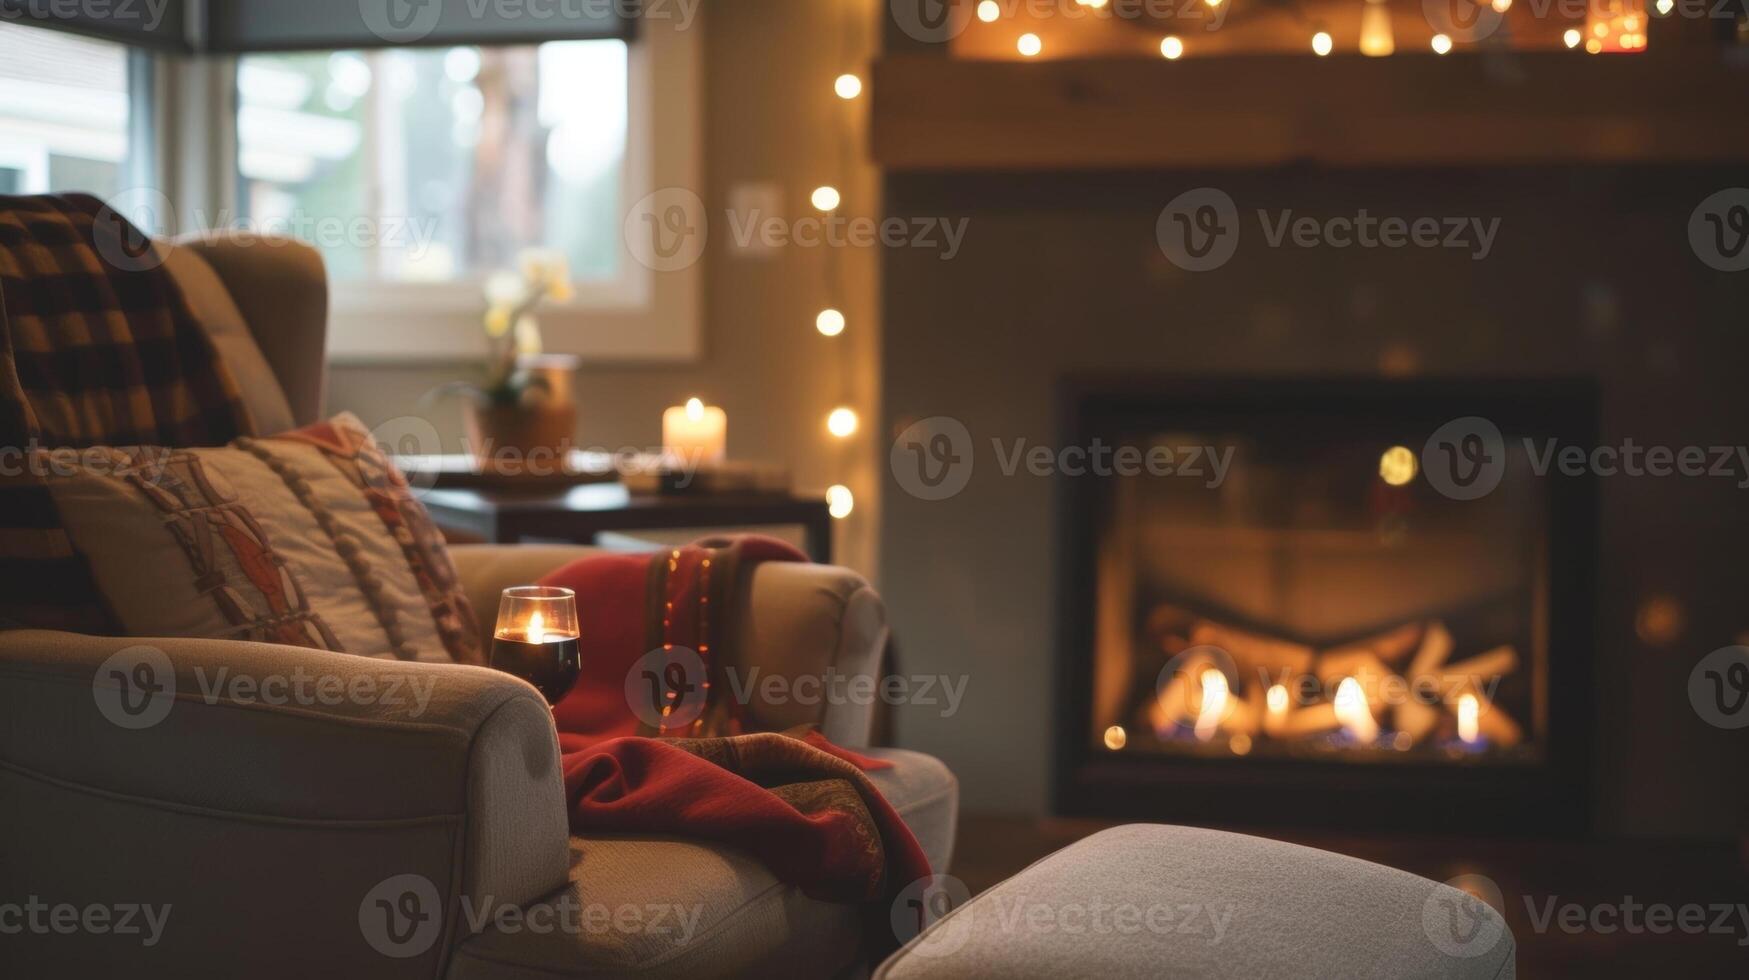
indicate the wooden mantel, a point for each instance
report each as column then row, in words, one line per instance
column 1686, row 105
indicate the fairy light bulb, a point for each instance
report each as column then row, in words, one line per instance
column 826, row 198
column 1501, row 6
column 840, row 501
column 1029, row 45
column 830, row 323
column 847, row 86
column 1322, row 43
column 989, row 10
column 1572, row 38
column 1441, row 44
column 841, row 423
column 1171, row 48
column 1376, row 39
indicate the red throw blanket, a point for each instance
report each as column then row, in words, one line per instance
column 653, row 740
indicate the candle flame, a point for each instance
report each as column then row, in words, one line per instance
column 537, row 632
column 1352, row 712
column 1214, row 704
column 694, row 409
column 1469, row 711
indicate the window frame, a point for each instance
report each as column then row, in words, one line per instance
column 641, row 316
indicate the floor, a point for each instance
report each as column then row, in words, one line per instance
column 1593, row 875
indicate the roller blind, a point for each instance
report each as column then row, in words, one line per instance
column 160, row 24
column 240, row 26
column 280, row 25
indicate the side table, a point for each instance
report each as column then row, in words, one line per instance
column 580, row 513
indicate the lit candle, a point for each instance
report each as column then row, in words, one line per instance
column 1214, row 704
column 1469, row 715
column 696, row 433
column 1352, row 712
column 1276, row 719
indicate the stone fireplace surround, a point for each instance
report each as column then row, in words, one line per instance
column 1591, row 275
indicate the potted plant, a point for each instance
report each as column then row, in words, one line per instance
column 523, row 407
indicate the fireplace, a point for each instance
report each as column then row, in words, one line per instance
column 1275, row 614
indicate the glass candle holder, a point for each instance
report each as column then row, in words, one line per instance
column 536, row 638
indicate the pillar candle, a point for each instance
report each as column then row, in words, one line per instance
column 696, row 433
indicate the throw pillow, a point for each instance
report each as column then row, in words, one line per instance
column 310, row 538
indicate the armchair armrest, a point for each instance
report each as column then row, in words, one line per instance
column 796, row 621
column 260, row 793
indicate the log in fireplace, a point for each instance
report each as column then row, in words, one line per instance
column 1348, row 602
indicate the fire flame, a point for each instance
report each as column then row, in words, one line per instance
column 1352, row 712
column 537, row 628
column 1214, row 704
column 1469, row 712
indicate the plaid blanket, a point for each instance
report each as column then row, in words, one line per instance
column 97, row 347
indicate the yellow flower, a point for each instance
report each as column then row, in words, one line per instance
column 546, row 268
column 497, row 321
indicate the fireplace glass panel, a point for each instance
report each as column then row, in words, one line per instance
column 1316, row 598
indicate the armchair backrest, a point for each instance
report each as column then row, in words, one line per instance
column 280, row 287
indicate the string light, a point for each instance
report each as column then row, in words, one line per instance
column 830, row 323
column 1322, row 44
column 841, row 423
column 1029, row 45
column 1572, row 37
column 840, row 501
column 847, row 86
column 1501, row 6
column 1441, row 44
column 1376, row 39
column 826, row 198
column 1664, row 7
column 1171, row 47
column 989, row 10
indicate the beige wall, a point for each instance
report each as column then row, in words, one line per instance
column 770, row 116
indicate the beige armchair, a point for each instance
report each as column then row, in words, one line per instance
column 417, row 836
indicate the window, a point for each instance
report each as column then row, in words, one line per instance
column 66, row 109
column 455, row 158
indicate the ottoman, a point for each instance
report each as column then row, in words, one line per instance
column 1155, row 901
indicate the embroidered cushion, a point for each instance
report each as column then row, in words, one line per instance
column 310, row 538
